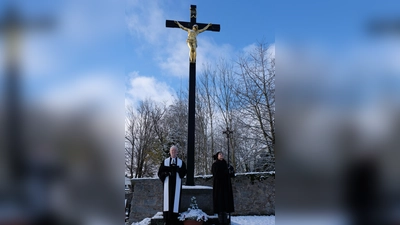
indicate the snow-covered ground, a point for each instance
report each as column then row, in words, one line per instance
column 236, row 220
column 253, row 220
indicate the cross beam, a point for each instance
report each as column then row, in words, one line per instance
column 227, row 132
column 192, row 91
column 172, row 24
column 193, row 17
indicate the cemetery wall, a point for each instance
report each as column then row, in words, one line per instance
column 254, row 194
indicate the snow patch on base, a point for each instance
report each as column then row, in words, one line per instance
column 146, row 221
column 253, row 220
column 196, row 187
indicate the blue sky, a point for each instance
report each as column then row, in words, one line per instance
column 158, row 56
column 78, row 61
column 105, row 49
column 101, row 53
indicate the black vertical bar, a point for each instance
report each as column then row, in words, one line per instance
column 193, row 19
column 13, row 143
column 13, row 119
column 191, row 125
column 227, row 141
column 13, row 127
column 191, row 116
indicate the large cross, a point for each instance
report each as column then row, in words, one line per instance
column 192, row 91
column 228, row 133
column 13, row 25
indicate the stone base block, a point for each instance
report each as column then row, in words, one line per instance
column 157, row 219
column 204, row 198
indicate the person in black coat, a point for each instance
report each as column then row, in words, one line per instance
column 222, row 188
column 171, row 172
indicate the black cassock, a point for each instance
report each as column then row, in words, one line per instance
column 171, row 175
column 222, row 187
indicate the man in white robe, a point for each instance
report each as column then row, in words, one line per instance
column 171, row 172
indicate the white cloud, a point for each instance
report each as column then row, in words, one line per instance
column 77, row 29
column 95, row 90
column 146, row 20
column 142, row 88
column 271, row 50
column 211, row 52
column 177, row 54
column 176, row 59
column 249, row 48
column 252, row 47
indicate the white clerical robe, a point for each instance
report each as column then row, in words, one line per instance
column 176, row 190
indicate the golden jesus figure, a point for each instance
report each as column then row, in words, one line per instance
column 191, row 40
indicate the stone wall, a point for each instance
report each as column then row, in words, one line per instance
column 254, row 194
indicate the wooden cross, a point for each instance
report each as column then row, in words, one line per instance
column 192, row 91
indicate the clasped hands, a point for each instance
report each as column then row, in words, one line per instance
column 231, row 171
column 172, row 170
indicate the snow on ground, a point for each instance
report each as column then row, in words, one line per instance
column 143, row 222
column 253, row 220
column 236, row 220
column 196, row 187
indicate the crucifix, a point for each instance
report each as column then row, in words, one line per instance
column 13, row 25
column 228, row 132
column 192, row 43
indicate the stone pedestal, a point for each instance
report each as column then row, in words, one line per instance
column 204, row 198
column 157, row 219
column 192, row 222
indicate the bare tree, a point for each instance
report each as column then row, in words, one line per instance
column 130, row 137
column 201, row 140
column 144, row 137
column 238, row 95
column 176, row 122
column 256, row 96
column 159, row 138
column 207, row 108
column 225, row 97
